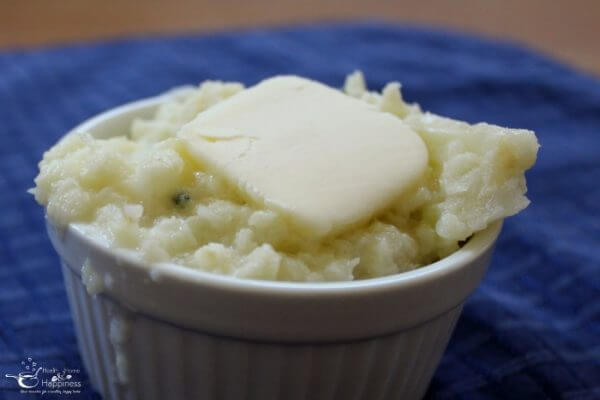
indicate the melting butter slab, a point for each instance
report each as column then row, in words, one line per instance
column 325, row 160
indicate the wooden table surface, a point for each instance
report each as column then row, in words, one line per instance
column 567, row 30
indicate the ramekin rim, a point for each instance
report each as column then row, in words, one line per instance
column 475, row 246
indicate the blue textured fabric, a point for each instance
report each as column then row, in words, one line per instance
column 530, row 331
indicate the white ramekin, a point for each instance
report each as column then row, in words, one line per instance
column 170, row 332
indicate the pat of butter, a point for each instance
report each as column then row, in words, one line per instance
column 322, row 158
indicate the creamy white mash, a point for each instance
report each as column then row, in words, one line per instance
column 148, row 192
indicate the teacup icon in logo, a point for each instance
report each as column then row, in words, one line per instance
column 26, row 379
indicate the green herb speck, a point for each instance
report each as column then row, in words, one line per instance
column 181, row 199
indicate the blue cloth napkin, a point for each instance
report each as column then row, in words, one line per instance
column 530, row 331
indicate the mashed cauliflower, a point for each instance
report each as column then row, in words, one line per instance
column 144, row 192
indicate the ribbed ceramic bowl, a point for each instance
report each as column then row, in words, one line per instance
column 169, row 332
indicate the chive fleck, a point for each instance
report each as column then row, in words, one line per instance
column 181, row 199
